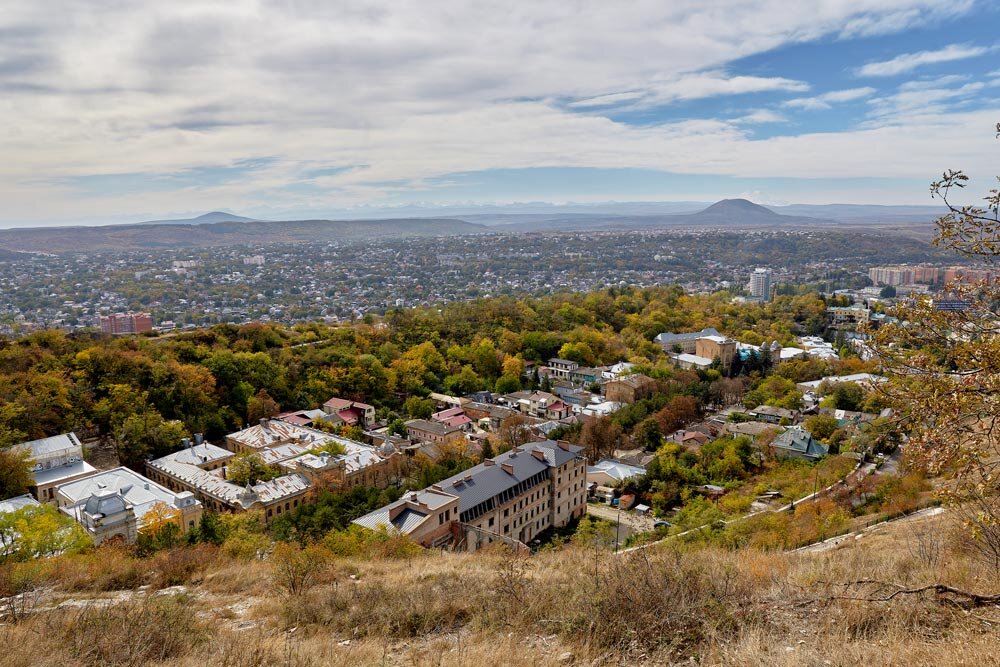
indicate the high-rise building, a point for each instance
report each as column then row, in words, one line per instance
column 760, row 284
column 126, row 323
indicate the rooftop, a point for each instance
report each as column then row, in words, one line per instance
column 57, row 445
column 140, row 492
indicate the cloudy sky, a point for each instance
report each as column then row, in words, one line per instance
column 114, row 110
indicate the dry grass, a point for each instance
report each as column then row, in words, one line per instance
column 578, row 605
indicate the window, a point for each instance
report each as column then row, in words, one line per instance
column 491, row 522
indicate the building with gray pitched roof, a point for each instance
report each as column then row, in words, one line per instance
column 510, row 498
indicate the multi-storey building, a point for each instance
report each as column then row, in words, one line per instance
column 716, row 347
column 891, row 275
column 511, row 498
column 298, row 451
column 126, row 323
column 630, row 388
column 760, row 284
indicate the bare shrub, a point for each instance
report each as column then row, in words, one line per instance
column 297, row 569
column 182, row 565
column 128, row 634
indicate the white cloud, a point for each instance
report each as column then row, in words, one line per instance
column 907, row 62
column 403, row 92
column 826, row 100
column 760, row 116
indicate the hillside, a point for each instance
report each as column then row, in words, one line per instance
column 205, row 606
column 205, row 219
column 227, row 233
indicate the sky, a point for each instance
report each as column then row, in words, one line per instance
column 124, row 110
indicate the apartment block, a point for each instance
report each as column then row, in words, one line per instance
column 126, row 323
column 511, row 498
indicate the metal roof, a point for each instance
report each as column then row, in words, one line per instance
column 65, row 443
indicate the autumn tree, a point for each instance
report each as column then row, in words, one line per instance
column 514, row 431
column 944, row 365
column 261, row 406
column 15, row 472
column 600, row 438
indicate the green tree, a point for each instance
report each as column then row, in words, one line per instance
column 37, row 531
column 15, row 472
column 821, row 426
column 249, row 468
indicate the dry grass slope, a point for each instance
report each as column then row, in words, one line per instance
column 573, row 606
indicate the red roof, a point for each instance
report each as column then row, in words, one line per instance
column 338, row 404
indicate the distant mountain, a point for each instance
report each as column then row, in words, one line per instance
column 206, row 219
column 221, row 234
column 745, row 212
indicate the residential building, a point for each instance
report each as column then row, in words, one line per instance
column 608, row 472
column 616, row 371
column 891, row 275
column 126, row 323
column 630, row 388
column 760, row 284
column 683, row 342
column 539, row 404
column 798, row 443
column 55, row 460
column 560, row 368
column 584, row 375
column 424, row 430
column 511, row 498
column 772, row 415
column 120, row 503
column 352, row 413
column 453, row 417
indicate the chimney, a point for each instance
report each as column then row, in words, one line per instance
column 198, row 438
column 507, row 468
column 263, row 422
column 489, row 462
column 538, row 454
column 563, row 445
column 186, row 443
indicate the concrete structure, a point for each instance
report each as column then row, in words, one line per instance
column 691, row 361
column 55, row 460
column 760, row 284
column 120, row 502
column 511, row 498
column 126, row 323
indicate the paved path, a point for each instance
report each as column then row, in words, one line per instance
column 826, row 545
